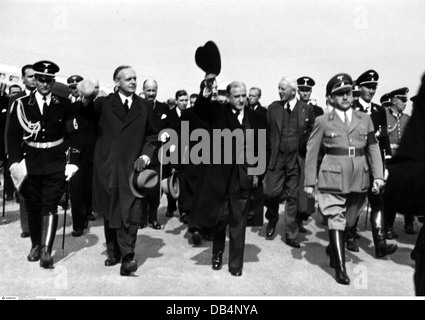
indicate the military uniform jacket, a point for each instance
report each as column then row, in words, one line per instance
column 343, row 174
column 57, row 122
column 396, row 126
column 379, row 120
column 121, row 139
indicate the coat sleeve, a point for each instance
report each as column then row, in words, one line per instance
column 373, row 153
column 14, row 136
column 151, row 141
column 313, row 150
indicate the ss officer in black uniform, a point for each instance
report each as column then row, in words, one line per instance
column 42, row 129
column 368, row 83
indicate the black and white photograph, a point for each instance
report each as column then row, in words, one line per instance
column 212, row 155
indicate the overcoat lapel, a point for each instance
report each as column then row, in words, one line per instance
column 135, row 111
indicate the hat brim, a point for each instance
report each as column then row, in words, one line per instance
column 138, row 193
column 171, row 186
column 342, row 89
column 367, row 82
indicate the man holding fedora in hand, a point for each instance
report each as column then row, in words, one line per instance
column 125, row 143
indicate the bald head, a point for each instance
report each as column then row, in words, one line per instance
column 150, row 89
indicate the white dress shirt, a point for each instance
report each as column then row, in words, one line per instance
column 40, row 100
column 129, row 99
column 366, row 106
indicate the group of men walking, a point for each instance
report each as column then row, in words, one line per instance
column 105, row 147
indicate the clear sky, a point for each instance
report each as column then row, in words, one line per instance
column 260, row 41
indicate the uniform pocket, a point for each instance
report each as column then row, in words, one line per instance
column 365, row 178
column 330, row 178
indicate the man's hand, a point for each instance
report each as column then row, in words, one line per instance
column 142, row 163
column 70, row 171
column 378, row 185
column 309, row 191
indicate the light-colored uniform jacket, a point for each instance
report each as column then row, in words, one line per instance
column 342, row 174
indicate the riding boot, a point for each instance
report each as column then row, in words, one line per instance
column 382, row 249
column 336, row 239
column 34, row 226
column 50, row 224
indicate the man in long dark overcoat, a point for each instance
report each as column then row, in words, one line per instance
column 126, row 141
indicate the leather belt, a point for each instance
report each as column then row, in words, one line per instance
column 45, row 145
column 347, row 152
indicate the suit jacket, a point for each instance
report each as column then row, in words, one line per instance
column 305, row 125
column 58, row 121
column 121, row 139
column 379, row 119
column 343, row 174
column 213, row 186
column 261, row 110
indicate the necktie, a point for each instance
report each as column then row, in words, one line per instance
column 126, row 108
column 346, row 120
column 288, row 108
column 44, row 105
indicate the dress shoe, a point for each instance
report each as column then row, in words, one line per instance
column 409, row 229
column 390, row 234
column 128, row 267
column 217, row 261
column 197, row 238
column 91, row 217
column 155, row 225
column 271, row 229
column 352, row 245
column 34, row 255
column 110, row 262
column 77, row 233
column 169, row 214
column 25, row 235
column 292, row 243
column 236, row 273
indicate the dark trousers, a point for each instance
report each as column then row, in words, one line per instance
column 390, row 215
column 9, row 188
column 121, row 243
column 150, row 207
column 235, row 214
column 43, row 194
column 81, row 187
column 285, row 176
column 23, row 213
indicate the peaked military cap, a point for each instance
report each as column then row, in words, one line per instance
column 339, row 82
column 356, row 89
column 399, row 93
column 208, row 59
column 45, row 69
column 369, row 77
column 74, row 80
column 386, row 99
column 306, row 82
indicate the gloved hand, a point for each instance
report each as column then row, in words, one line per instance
column 142, row 163
column 164, row 137
column 70, row 171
